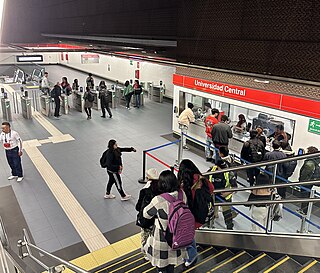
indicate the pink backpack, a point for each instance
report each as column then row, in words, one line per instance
column 181, row 224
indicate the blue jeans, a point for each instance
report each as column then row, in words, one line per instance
column 138, row 100
column 208, row 146
column 192, row 251
column 14, row 161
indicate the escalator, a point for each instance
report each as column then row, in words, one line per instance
column 219, row 260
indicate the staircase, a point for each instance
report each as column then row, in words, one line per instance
column 222, row 260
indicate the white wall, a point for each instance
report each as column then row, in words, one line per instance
column 122, row 70
column 301, row 137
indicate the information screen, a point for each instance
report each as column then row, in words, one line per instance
column 30, row 58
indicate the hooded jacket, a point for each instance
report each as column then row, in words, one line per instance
column 310, row 170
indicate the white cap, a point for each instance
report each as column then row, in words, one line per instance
column 152, row 174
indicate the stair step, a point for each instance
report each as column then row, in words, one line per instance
column 255, row 264
column 207, row 263
column 283, row 265
column 312, row 266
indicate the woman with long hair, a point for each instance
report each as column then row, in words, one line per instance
column 128, row 92
column 241, row 124
column 113, row 162
column 190, row 181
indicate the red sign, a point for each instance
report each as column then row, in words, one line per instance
column 307, row 107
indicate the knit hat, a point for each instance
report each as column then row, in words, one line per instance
column 152, row 174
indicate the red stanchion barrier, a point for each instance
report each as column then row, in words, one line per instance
column 161, row 162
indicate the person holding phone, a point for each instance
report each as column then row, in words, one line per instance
column 12, row 144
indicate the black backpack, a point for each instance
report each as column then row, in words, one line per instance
column 141, row 221
column 290, row 168
column 53, row 93
column 256, row 151
column 103, row 160
column 90, row 97
column 203, row 204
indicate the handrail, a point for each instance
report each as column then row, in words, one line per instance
column 268, row 186
column 26, row 243
column 268, row 202
column 264, row 163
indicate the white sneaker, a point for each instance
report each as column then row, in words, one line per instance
column 127, row 197
column 185, row 148
column 12, row 177
column 109, row 196
column 19, row 179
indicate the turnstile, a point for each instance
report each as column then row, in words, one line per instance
column 133, row 99
column 64, row 109
column 157, row 93
column 26, row 107
column 6, row 109
column 45, row 104
column 78, row 102
column 96, row 102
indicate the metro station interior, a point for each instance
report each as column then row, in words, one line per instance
column 253, row 59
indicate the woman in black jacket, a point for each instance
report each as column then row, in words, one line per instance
column 113, row 162
column 105, row 99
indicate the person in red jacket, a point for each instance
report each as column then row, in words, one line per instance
column 209, row 122
column 191, row 180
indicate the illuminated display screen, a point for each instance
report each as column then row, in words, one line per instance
column 30, row 58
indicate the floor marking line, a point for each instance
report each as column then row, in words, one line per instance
column 86, row 228
column 227, row 261
column 250, row 263
column 277, row 264
column 308, row 266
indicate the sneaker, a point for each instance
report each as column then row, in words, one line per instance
column 187, row 263
column 208, row 159
column 103, row 116
column 56, row 117
column 109, row 196
column 146, row 258
column 19, row 179
column 185, row 148
column 88, row 118
column 110, row 116
column 12, row 177
column 125, row 198
column 300, row 211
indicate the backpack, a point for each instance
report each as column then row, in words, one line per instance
column 90, row 97
column 276, row 209
column 290, row 168
column 103, row 160
column 53, row 93
column 256, row 151
column 203, row 204
column 141, row 221
column 181, row 224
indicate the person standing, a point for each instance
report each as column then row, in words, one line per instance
column 88, row 102
column 221, row 133
column 65, row 86
column 111, row 158
column 281, row 168
column 207, row 109
column 261, row 136
column 184, row 120
column 158, row 251
column 56, row 95
column 137, row 91
column 90, row 81
column 128, row 92
column 309, row 171
column 210, row 120
column 253, row 151
column 241, row 125
column 45, row 86
column 259, row 212
column 12, row 144
column 75, row 85
column 279, row 134
column 105, row 99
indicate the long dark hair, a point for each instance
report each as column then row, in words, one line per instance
column 167, row 182
column 111, row 147
column 187, row 170
column 242, row 119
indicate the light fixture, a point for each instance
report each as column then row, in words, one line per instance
column 261, row 81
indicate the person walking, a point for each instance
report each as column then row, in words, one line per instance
column 56, row 95
column 88, row 102
column 253, row 151
column 45, row 86
column 137, row 92
column 184, row 120
column 158, row 251
column 210, row 120
column 196, row 187
column 128, row 92
column 221, row 133
column 90, row 81
column 105, row 99
column 12, row 145
column 112, row 160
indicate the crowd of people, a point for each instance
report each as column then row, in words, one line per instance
column 104, row 95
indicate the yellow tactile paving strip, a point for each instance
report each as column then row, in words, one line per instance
column 86, row 228
column 88, row 231
column 108, row 253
